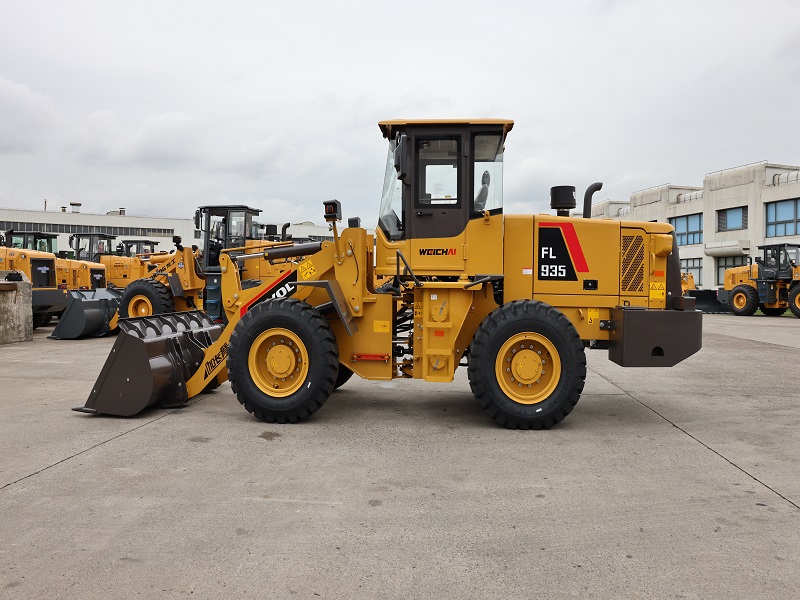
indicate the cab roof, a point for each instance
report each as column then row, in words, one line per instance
column 43, row 234
column 387, row 126
column 222, row 207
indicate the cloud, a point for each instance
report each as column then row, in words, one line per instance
column 170, row 141
column 27, row 118
column 161, row 107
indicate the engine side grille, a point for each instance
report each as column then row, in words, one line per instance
column 98, row 277
column 43, row 272
column 632, row 267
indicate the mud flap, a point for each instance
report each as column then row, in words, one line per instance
column 88, row 313
column 150, row 363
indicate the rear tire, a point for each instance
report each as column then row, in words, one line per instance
column 342, row 377
column 282, row 360
column 527, row 365
column 744, row 301
column 794, row 300
column 40, row 319
column 772, row 312
column 144, row 298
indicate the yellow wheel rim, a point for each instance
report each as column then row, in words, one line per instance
column 140, row 306
column 740, row 300
column 278, row 362
column 528, row 368
column 797, row 301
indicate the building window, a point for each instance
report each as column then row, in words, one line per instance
column 783, row 218
column 732, row 219
column 688, row 229
column 695, row 267
column 726, row 262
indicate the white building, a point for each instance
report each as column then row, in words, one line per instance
column 722, row 223
column 126, row 226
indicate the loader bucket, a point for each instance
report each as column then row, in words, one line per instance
column 707, row 301
column 88, row 313
column 150, row 362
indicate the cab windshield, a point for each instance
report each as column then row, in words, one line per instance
column 47, row 245
column 391, row 211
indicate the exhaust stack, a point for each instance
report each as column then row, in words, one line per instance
column 587, row 199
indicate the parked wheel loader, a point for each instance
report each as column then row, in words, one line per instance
column 141, row 248
column 707, row 301
column 89, row 306
column 189, row 278
column 40, row 268
column 515, row 299
column 121, row 268
column 70, row 274
column 770, row 283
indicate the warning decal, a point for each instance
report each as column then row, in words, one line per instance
column 307, row 270
column 381, row 327
column 658, row 291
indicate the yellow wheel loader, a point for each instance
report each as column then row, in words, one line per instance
column 70, row 274
column 707, row 301
column 121, row 267
column 140, row 248
column 145, row 282
column 39, row 266
column 516, row 299
column 771, row 283
column 89, row 306
column 189, row 278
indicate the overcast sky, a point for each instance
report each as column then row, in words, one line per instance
column 161, row 106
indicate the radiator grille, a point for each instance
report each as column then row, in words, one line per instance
column 98, row 278
column 632, row 263
column 43, row 272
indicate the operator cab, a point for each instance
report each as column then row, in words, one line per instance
column 32, row 240
column 91, row 246
column 440, row 174
column 224, row 227
column 779, row 260
column 132, row 248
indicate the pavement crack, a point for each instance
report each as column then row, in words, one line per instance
column 85, row 450
column 706, row 446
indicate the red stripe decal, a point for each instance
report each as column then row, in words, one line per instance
column 573, row 244
column 247, row 306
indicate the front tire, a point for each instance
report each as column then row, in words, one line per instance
column 282, row 361
column 794, row 300
column 744, row 301
column 251, row 283
column 144, row 298
column 527, row 365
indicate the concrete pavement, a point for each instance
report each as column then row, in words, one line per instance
column 672, row 483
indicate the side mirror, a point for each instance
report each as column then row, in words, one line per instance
column 401, row 156
column 197, row 219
